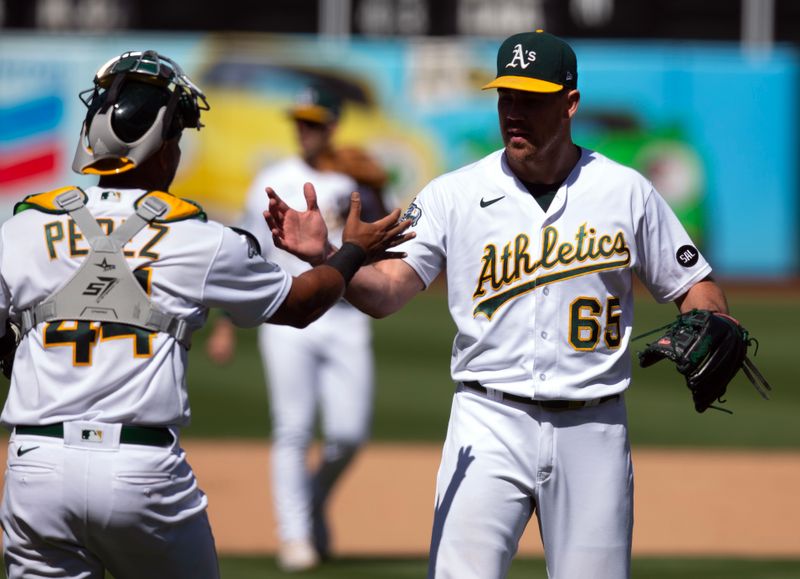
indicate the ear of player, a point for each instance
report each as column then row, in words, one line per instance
column 708, row 349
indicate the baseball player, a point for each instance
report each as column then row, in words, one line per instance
column 106, row 286
column 319, row 367
column 539, row 242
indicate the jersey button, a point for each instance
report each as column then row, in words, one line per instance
column 544, row 335
column 542, row 377
column 546, row 291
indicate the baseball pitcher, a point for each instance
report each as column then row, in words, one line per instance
column 539, row 242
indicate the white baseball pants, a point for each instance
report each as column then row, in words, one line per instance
column 325, row 369
column 73, row 508
column 502, row 461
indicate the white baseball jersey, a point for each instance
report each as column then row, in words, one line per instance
column 543, row 300
column 66, row 371
column 82, row 497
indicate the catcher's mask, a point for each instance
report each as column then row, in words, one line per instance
column 139, row 101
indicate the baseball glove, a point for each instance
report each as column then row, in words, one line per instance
column 709, row 349
column 8, row 348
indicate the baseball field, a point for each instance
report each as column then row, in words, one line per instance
column 716, row 493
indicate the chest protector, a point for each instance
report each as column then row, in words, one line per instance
column 104, row 288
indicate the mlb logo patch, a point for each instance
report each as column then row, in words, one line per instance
column 110, row 196
column 92, row 435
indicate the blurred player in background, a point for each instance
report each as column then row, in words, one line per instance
column 326, row 368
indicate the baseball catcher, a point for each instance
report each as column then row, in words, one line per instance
column 709, row 349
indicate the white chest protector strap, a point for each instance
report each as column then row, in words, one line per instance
column 104, row 288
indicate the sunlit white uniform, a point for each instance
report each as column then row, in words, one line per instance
column 75, row 505
column 326, row 367
column 543, row 305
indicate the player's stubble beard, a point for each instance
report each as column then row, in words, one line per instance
column 537, row 134
column 531, row 160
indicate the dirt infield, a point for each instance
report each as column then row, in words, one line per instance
column 688, row 502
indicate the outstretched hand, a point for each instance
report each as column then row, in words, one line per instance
column 301, row 233
column 378, row 237
column 305, row 235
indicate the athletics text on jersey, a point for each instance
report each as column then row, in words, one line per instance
column 542, row 300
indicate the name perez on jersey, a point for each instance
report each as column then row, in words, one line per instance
column 505, row 269
column 54, row 235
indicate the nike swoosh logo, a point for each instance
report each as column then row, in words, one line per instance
column 490, row 201
column 21, row 451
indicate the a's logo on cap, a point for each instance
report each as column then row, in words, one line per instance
column 522, row 57
column 687, row 255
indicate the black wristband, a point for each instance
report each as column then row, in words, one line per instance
column 347, row 260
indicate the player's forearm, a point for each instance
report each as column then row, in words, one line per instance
column 383, row 288
column 313, row 293
column 366, row 292
column 704, row 295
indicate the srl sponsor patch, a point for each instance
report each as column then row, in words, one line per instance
column 687, row 255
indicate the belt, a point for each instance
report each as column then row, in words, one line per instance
column 548, row 404
column 146, row 435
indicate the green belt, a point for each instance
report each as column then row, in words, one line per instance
column 147, row 435
column 548, row 404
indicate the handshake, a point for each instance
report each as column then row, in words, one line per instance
column 305, row 234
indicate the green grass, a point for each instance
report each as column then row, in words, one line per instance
column 522, row 568
column 231, row 400
column 643, row 568
column 412, row 350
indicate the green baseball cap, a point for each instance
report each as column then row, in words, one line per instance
column 316, row 104
column 535, row 62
